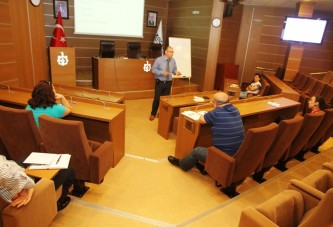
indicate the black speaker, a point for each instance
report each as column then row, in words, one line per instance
column 228, row 10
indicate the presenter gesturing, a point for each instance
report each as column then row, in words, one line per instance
column 164, row 67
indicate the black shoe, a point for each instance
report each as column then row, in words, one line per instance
column 63, row 203
column 174, row 161
column 201, row 168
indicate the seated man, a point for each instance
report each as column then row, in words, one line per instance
column 255, row 86
column 16, row 187
column 227, row 133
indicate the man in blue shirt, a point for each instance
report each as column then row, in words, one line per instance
column 163, row 69
column 227, row 133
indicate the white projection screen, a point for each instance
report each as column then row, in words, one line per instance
column 109, row 17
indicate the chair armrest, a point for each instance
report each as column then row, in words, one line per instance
column 328, row 166
column 311, row 195
column 220, row 166
column 101, row 160
column 251, row 217
column 40, row 211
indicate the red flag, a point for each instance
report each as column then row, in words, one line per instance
column 58, row 39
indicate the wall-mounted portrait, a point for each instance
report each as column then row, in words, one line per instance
column 61, row 6
column 151, row 19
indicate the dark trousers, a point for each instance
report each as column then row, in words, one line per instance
column 161, row 88
column 65, row 177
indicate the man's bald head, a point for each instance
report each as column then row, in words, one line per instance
column 221, row 98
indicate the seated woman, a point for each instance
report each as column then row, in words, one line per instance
column 255, row 86
column 43, row 101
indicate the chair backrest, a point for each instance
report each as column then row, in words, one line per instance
column 310, row 124
column 288, row 129
column 302, row 82
column 321, row 215
column 253, row 150
column 67, row 137
column 297, row 79
column 320, row 179
column 155, row 50
column 326, row 123
column 327, row 94
column 309, row 85
column 106, row 49
column 133, row 50
column 19, row 133
column 318, row 88
column 328, row 78
column 265, row 86
column 286, row 209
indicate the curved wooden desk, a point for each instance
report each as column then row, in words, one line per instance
column 255, row 113
column 103, row 121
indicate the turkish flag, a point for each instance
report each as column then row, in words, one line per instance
column 58, row 39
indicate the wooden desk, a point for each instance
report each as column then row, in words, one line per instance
column 117, row 74
column 103, row 121
column 279, row 87
column 255, row 113
column 41, row 173
column 170, row 105
column 88, row 93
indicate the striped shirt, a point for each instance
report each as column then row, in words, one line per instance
column 12, row 179
column 227, row 128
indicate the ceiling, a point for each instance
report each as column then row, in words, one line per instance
column 325, row 5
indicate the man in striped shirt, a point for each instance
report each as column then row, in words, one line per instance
column 15, row 186
column 227, row 133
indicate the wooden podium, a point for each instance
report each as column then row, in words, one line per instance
column 62, row 64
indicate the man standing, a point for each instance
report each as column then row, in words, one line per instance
column 163, row 69
column 227, row 133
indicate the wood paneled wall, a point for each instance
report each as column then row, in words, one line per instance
column 260, row 43
column 229, row 36
column 87, row 46
column 22, row 56
column 182, row 23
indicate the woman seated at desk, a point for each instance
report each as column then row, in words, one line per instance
column 255, row 86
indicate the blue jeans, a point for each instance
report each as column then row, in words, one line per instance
column 197, row 154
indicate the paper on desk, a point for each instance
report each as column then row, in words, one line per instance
column 198, row 99
column 60, row 161
column 191, row 114
column 234, row 85
column 40, row 158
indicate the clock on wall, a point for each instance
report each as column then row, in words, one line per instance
column 216, row 22
column 35, row 2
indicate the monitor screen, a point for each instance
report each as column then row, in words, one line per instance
column 106, row 49
column 307, row 30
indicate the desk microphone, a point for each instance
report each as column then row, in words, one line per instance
column 202, row 105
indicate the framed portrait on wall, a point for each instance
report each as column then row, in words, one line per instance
column 62, row 6
column 151, row 19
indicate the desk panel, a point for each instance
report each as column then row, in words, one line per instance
column 191, row 133
column 279, row 87
column 118, row 74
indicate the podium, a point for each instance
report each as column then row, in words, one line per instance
column 62, row 65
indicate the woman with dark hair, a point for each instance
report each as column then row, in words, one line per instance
column 316, row 104
column 44, row 101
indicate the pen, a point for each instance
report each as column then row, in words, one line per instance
column 58, row 159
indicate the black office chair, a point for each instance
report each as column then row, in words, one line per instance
column 155, row 50
column 133, row 50
column 106, row 49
